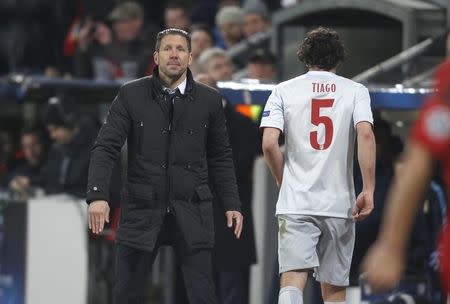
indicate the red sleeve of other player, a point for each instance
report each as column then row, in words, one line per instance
column 432, row 128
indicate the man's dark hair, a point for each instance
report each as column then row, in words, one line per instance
column 172, row 31
column 322, row 48
column 202, row 27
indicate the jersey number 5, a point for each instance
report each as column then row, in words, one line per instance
column 316, row 119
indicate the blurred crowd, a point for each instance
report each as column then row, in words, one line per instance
column 114, row 39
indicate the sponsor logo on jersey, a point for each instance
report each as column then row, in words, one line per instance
column 265, row 113
column 437, row 123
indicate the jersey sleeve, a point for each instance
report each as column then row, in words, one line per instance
column 432, row 129
column 273, row 114
column 362, row 110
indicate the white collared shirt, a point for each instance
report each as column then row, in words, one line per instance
column 181, row 87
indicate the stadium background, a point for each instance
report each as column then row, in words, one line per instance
column 46, row 252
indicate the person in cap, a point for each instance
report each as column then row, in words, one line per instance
column 117, row 53
column 65, row 169
column 256, row 18
column 261, row 65
column 229, row 20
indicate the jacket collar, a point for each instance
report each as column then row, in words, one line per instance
column 158, row 87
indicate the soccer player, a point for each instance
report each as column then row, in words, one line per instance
column 429, row 142
column 320, row 115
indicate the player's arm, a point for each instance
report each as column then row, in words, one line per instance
column 272, row 153
column 404, row 197
column 366, row 160
column 401, row 207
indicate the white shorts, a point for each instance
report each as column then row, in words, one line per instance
column 324, row 244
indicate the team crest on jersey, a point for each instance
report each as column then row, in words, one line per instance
column 437, row 123
column 265, row 113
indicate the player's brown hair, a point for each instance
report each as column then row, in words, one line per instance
column 322, row 48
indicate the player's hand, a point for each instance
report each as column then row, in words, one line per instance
column 363, row 206
column 382, row 267
column 98, row 213
column 235, row 218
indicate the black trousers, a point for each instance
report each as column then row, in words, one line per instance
column 133, row 268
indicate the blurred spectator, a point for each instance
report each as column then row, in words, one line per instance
column 261, row 66
column 176, row 15
column 223, row 3
column 33, row 143
column 9, row 159
column 201, row 39
column 233, row 257
column 66, row 168
column 256, row 18
column 97, row 9
column 122, row 54
column 229, row 20
column 32, row 32
column 448, row 44
column 216, row 63
column 204, row 12
column 154, row 11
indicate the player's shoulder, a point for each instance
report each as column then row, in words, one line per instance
column 350, row 83
column 290, row 83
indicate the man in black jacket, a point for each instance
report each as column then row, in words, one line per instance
column 177, row 142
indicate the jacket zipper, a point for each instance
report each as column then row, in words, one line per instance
column 141, row 130
column 168, row 167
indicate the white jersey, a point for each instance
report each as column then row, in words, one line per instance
column 318, row 112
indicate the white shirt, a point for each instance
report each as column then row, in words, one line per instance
column 318, row 112
column 181, row 87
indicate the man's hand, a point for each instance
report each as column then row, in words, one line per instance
column 383, row 266
column 85, row 36
column 235, row 217
column 98, row 215
column 363, row 206
column 20, row 183
column 102, row 33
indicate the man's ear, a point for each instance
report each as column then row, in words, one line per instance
column 156, row 57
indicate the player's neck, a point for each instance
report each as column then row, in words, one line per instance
column 333, row 70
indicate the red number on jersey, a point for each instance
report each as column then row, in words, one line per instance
column 316, row 119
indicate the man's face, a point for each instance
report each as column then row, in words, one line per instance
column 261, row 71
column 200, row 41
column 59, row 134
column 176, row 18
column 220, row 68
column 33, row 149
column 128, row 30
column 255, row 23
column 231, row 32
column 173, row 56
